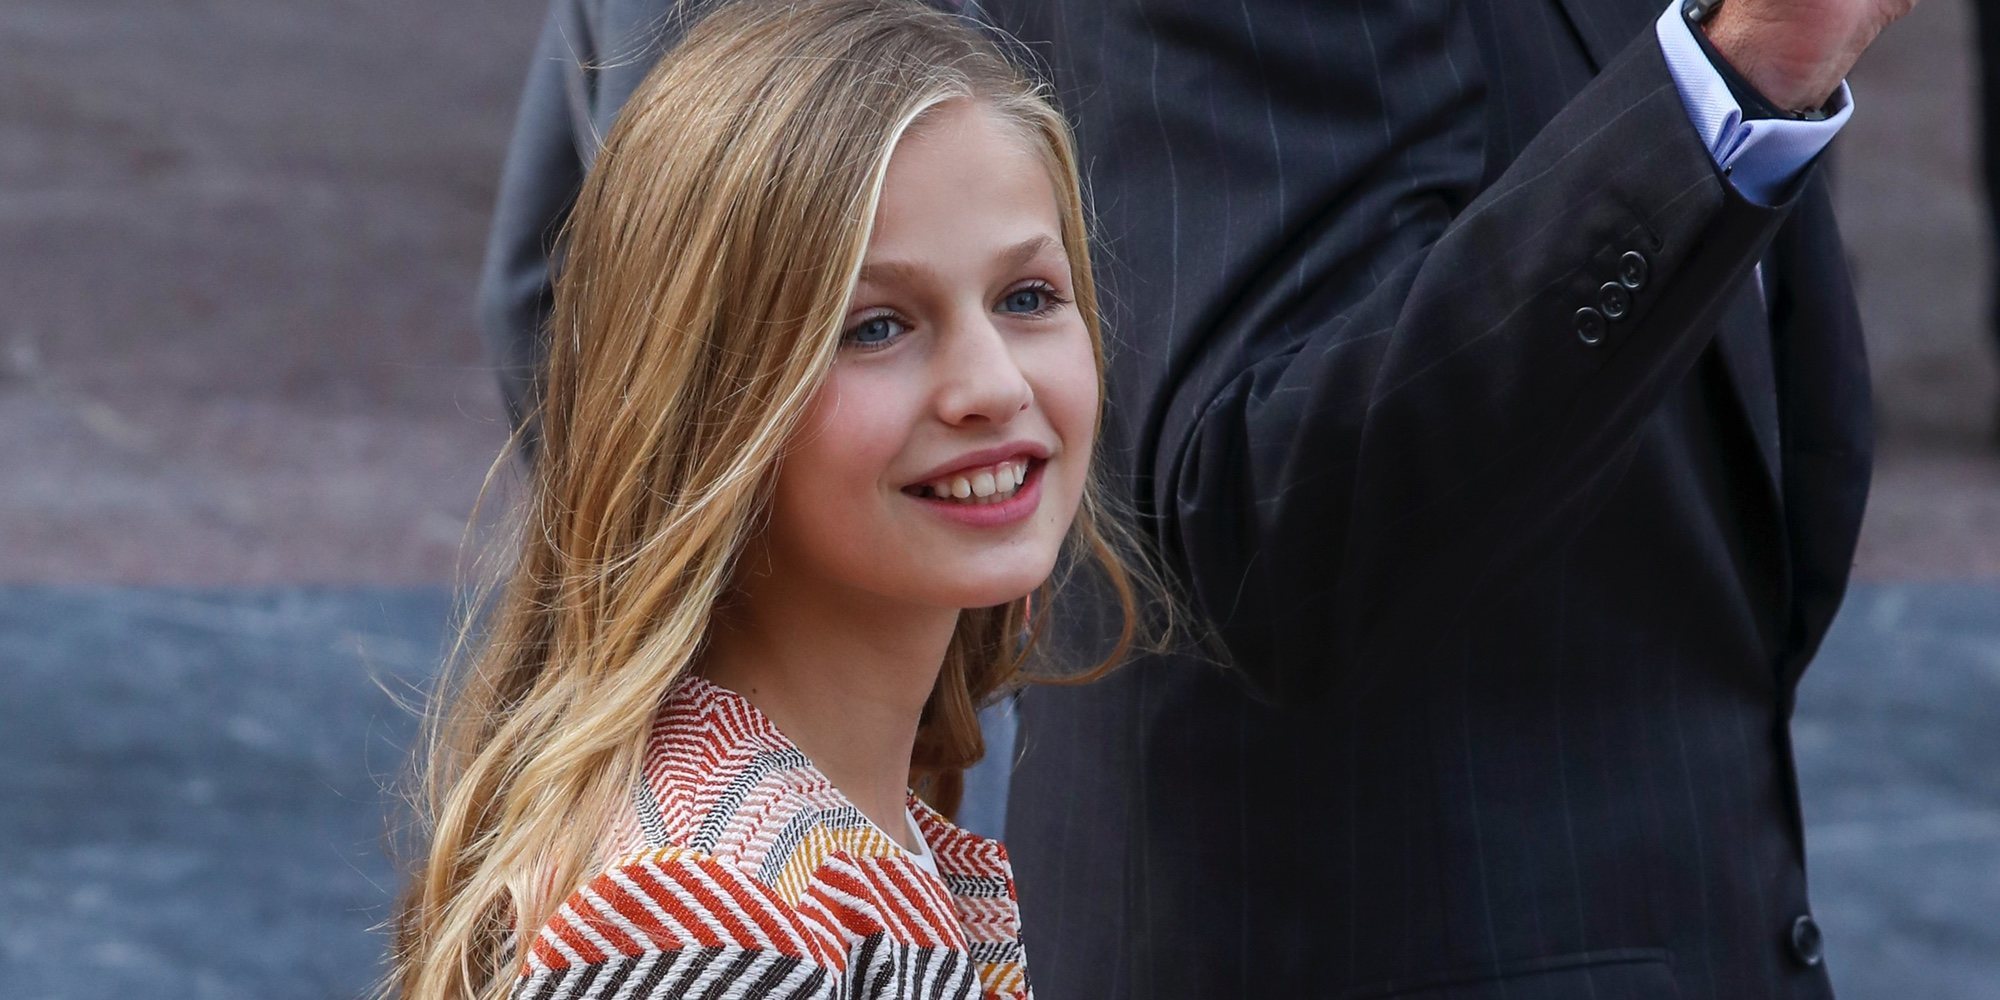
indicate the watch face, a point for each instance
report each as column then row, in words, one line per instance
column 1698, row 10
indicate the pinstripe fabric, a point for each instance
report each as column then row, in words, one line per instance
column 1520, row 617
column 744, row 874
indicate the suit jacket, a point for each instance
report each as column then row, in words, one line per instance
column 1443, row 379
column 742, row 873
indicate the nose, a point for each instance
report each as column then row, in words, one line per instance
column 978, row 376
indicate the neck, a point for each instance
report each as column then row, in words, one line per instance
column 844, row 676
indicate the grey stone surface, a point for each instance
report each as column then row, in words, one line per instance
column 1898, row 742
column 196, row 787
column 195, row 782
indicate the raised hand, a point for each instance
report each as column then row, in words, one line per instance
column 1796, row 52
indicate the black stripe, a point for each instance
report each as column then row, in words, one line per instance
column 947, row 973
column 781, row 965
column 811, row 987
column 863, row 958
column 548, row 986
column 619, row 971
column 582, row 988
column 649, row 985
column 745, row 961
column 551, row 984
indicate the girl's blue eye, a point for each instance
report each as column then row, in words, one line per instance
column 1024, row 300
column 875, row 331
column 1038, row 299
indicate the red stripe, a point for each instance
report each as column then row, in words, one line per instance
column 549, row 956
column 696, row 881
column 587, row 908
column 585, row 951
column 658, row 934
column 824, row 935
column 659, row 894
column 934, row 922
column 761, row 906
column 897, row 919
column 912, row 910
column 851, row 920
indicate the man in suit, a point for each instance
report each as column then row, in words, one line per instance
column 1447, row 380
column 1444, row 374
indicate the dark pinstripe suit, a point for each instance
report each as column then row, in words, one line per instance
column 1530, row 612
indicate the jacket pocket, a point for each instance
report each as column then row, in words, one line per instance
column 1617, row 974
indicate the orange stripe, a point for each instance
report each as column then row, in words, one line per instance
column 659, row 894
column 760, row 906
column 928, row 932
column 596, row 920
column 658, row 935
column 825, row 936
column 548, row 955
column 851, row 920
column 697, row 883
column 585, row 951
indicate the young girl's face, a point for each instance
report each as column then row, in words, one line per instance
column 943, row 460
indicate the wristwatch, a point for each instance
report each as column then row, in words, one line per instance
column 1697, row 11
column 1754, row 104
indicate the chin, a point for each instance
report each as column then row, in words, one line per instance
column 986, row 592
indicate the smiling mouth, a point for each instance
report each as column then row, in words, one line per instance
column 989, row 484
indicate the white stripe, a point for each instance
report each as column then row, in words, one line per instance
column 694, row 905
column 674, row 927
column 638, row 973
column 582, row 925
column 549, row 935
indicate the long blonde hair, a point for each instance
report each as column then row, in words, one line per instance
column 706, row 272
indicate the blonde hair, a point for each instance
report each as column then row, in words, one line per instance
column 706, row 273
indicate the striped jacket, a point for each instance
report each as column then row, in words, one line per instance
column 744, row 873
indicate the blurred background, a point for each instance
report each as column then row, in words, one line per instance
column 243, row 419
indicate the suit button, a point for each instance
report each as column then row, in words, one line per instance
column 1632, row 270
column 1590, row 325
column 1614, row 300
column 1807, row 944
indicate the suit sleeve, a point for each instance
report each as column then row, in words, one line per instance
column 538, row 185
column 1337, row 503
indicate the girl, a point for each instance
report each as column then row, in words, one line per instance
column 823, row 390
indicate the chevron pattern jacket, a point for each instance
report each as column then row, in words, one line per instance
column 744, row 874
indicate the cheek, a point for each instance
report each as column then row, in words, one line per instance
column 833, row 471
column 1066, row 386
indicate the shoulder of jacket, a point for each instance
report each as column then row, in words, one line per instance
column 671, row 917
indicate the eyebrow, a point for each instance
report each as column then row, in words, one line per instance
column 1014, row 257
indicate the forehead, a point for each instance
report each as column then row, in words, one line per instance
column 963, row 181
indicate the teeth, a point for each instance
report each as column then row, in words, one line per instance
column 986, row 486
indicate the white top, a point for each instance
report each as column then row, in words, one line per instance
column 922, row 856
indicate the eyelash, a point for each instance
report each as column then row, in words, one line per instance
column 1051, row 301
